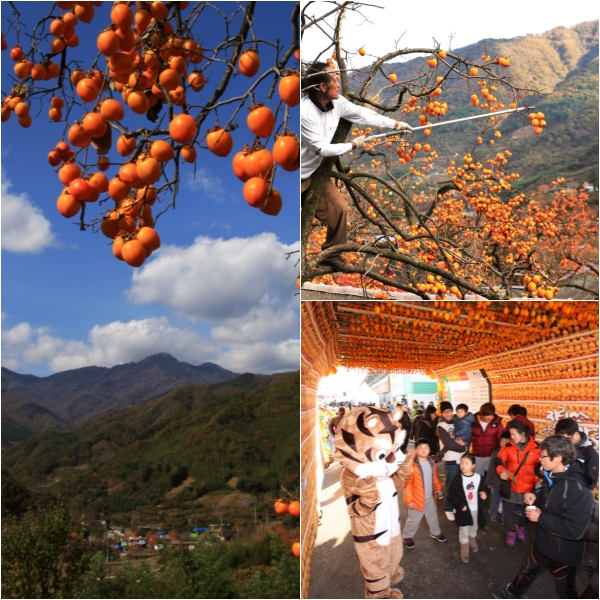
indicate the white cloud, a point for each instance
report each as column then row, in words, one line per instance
column 242, row 288
column 106, row 346
column 206, row 182
column 215, row 279
column 26, row 349
column 24, row 227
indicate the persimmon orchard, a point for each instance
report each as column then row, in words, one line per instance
column 152, row 99
column 423, row 218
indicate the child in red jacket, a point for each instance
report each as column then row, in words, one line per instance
column 421, row 491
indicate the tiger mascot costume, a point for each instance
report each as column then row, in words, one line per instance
column 367, row 444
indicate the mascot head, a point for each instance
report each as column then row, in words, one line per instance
column 368, row 442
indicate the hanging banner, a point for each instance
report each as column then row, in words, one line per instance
column 472, row 388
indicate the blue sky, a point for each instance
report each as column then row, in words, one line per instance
column 220, row 288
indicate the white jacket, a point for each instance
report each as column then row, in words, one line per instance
column 318, row 128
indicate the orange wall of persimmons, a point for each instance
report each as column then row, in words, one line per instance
column 540, row 355
column 318, row 355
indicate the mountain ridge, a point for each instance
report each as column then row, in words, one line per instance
column 71, row 398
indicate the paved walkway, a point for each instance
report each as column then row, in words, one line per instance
column 433, row 570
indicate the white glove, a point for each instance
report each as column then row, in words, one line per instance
column 359, row 141
column 380, row 469
column 401, row 126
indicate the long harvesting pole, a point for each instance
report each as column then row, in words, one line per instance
column 487, row 115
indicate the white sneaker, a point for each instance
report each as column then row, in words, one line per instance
column 450, row 515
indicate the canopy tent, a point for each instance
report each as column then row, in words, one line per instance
column 542, row 355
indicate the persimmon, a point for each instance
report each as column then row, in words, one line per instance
column 120, row 63
column 296, row 549
column 261, row 120
column 57, row 27
column 237, row 165
column 122, row 16
column 138, row 102
column 54, row 158
column 78, row 136
column 183, row 129
column 126, row 145
column 147, row 195
column 99, row 182
column 393, row 77
column 169, row 79
column 108, row 42
column 16, row 53
column 134, row 253
column 249, row 63
column 289, row 89
column 281, row 506
column 196, row 81
column 159, row 10
column 286, row 150
column 118, row 247
column 22, row 69
column 127, row 223
column 442, row 54
column 103, row 163
column 219, row 142
column 84, row 12
column 70, row 19
column 110, row 225
column 361, row 51
column 126, row 39
column 87, row 89
column 112, row 110
column 149, row 238
column 272, row 206
column 129, row 172
column 188, row 153
column 148, row 170
column 57, row 45
column 432, row 63
column 117, row 189
column 256, row 190
column 57, row 102
column 294, row 508
column 162, row 151
column 94, row 124
column 258, row 163
column 67, row 205
column 21, row 109
column 80, row 189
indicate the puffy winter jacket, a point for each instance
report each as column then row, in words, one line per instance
column 510, row 458
column 483, row 443
column 414, row 488
column 567, row 507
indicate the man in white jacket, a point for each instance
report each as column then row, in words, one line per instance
column 320, row 112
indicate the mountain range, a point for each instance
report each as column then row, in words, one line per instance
column 171, row 451
column 562, row 65
column 71, row 398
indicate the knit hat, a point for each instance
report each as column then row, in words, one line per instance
column 422, row 441
column 446, row 406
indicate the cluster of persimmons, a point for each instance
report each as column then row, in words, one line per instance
column 479, row 229
column 154, row 65
column 403, row 337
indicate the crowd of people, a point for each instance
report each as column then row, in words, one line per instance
column 549, row 483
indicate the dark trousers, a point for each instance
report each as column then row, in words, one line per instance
column 452, row 470
column 533, row 563
column 508, row 511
